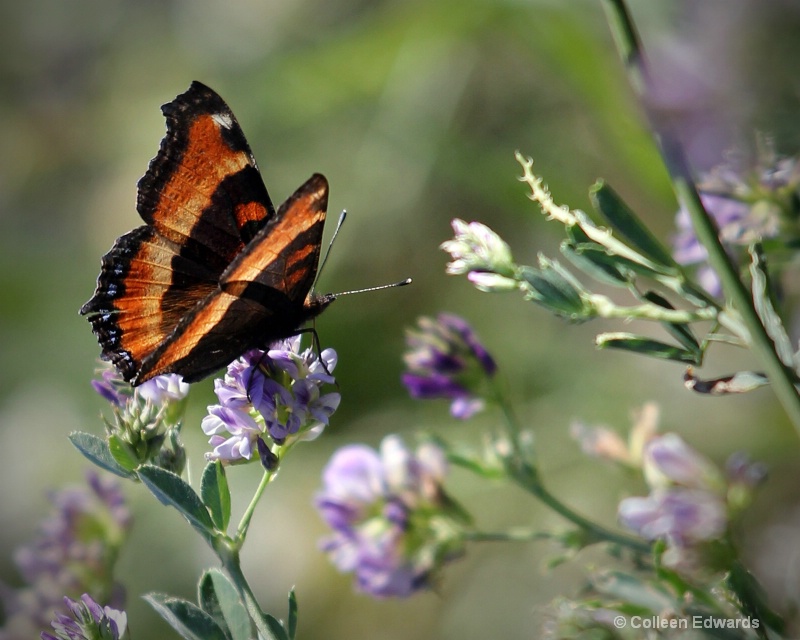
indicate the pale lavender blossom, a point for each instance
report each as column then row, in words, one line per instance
column 481, row 253
column 690, row 502
column 112, row 387
column 74, row 551
column 158, row 390
column 748, row 204
column 680, row 516
column 669, row 461
column 445, row 359
column 604, row 443
column 277, row 393
column 387, row 510
column 87, row 620
column 166, row 388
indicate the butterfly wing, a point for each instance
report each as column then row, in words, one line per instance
column 203, row 200
column 262, row 296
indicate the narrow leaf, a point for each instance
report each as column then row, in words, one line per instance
column 97, row 451
column 594, row 261
column 680, row 331
column 172, row 490
column 291, row 622
column 627, row 588
column 216, row 494
column 644, row 346
column 766, row 310
column 624, row 221
column 275, row 627
column 554, row 288
column 604, row 259
column 187, row 619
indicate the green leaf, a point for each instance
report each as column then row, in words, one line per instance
column 276, row 627
column 754, row 601
column 555, row 288
column 644, row 346
column 207, row 598
column 172, row 490
column 187, row 619
column 97, row 451
column 626, row 223
column 680, row 331
column 122, row 452
column 762, row 292
column 291, row 622
column 630, row 589
column 231, row 607
column 594, row 261
column 216, row 494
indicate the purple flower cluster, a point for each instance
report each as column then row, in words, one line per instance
column 276, row 393
column 73, row 552
column 87, row 621
column 388, row 512
column 690, row 501
column 748, row 204
column 158, row 390
column 445, row 359
column 146, row 418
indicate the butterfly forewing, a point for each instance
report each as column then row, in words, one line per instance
column 215, row 270
column 261, row 297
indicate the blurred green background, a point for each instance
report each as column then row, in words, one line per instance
column 413, row 110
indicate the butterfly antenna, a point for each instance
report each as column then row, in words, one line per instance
column 339, row 224
column 402, row 283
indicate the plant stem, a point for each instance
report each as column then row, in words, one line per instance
column 526, row 476
column 512, row 535
column 632, row 54
column 244, row 523
column 229, row 558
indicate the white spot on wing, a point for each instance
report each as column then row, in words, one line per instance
column 223, row 120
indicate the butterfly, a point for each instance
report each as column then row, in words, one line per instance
column 215, row 270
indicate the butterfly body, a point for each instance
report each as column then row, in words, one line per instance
column 215, row 270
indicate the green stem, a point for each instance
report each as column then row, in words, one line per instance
column 526, row 476
column 512, row 535
column 230, row 564
column 244, row 523
column 632, row 54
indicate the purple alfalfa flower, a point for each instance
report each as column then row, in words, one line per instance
column 445, row 359
column 669, row 461
column 146, row 419
column 392, row 524
column 276, row 393
column 87, row 620
column 165, row 388
column 748, row 204
column 681, row 516
column 74, row 551
column 690, row 504
column 158, row 390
